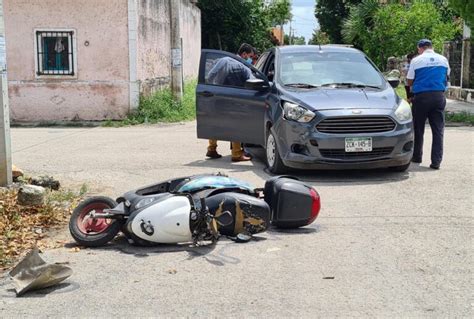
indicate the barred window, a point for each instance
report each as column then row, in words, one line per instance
column 55, row 54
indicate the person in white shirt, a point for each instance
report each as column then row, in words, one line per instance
column 428, row 77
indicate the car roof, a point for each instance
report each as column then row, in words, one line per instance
column 316, row 48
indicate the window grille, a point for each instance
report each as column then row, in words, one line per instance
column 55, row 55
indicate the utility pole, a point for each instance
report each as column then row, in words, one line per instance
column 176, row 51
column 289, row 36
column 5, row 142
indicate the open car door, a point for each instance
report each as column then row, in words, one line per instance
column 230, row 111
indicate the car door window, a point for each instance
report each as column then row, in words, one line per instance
column 226, row 71
column 270, row 68
column 261, row 61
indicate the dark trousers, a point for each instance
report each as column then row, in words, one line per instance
column 429, row 105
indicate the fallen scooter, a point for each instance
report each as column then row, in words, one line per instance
column 195, row 209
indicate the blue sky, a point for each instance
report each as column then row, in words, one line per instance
column 304, row 21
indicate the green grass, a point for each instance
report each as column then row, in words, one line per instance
column 160, row 107
column 401, row 92
column 462, row 117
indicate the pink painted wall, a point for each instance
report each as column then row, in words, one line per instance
column 154, row 43
column 99, row 91
column 191, row 33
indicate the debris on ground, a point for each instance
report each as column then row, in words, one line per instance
column 16, row 172
column 33, row 273
column 31, row 195
column 172, row 271
column 24, row 227
column 46, row 182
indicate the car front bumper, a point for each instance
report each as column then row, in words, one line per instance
column 302, row 146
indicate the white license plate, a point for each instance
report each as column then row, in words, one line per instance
column 358, row 144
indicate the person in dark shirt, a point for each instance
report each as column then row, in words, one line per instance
column 230, row 72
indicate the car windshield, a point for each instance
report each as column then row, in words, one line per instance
column 329, row 69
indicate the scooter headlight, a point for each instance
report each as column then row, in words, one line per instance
column 144, row 202
column 403, row 112
column 297, row 113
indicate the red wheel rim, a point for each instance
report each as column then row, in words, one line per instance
column 92, row 226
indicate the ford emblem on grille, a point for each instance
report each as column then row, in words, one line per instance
column 356, row 112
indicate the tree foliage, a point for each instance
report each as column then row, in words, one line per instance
column 319, row 37
column 465, row 9
column 295, row 40
column 330, row 14
column 382, row 31
column 278, row 12
column 228, row 23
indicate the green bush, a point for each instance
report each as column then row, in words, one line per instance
column 401, row 91
column 394, row 29
column 160, row 107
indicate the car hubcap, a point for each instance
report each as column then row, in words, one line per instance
column 271, row 150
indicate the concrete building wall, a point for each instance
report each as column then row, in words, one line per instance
column 191, row 35
column 100, row 87
column 122, row 49
column 154, row 43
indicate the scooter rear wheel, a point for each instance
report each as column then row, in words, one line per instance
column 93, row 232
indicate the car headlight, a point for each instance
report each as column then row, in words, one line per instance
column 403, row 111
column 297, row 113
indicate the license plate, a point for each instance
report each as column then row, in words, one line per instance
column 359, row 144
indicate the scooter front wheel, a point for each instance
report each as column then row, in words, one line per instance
column 93, row 232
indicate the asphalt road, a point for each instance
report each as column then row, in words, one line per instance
column 385, row 244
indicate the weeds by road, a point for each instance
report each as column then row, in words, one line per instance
column 462, row 117
column 160, row 107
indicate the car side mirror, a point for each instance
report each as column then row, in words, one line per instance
column 394, row 82
column 256, row 84
column 271, row 75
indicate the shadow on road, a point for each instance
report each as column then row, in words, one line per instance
column 60, row 288
column 122, row 245
column 326, row 177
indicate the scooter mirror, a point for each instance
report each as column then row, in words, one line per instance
column 225, row 219
column 243, row 238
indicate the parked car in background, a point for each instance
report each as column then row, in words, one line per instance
column 310, row 107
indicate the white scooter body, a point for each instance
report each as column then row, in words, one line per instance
column 165, row 222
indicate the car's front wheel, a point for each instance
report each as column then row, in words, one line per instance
column 274, row 162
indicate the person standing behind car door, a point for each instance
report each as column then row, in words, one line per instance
column 230, row 72
column 428, row 76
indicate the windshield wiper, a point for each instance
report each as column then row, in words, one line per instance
column 302, row 85
column 352, row 85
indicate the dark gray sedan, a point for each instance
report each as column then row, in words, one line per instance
column 310, row 107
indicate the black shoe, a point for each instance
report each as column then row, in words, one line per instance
column 434, row 166
column 213, row 154
column 416, row 160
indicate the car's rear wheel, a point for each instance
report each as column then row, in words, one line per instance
column 274, row 162
column 401, row 168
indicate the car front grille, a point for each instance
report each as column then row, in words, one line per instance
column 343, row 155
column 356, row 124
